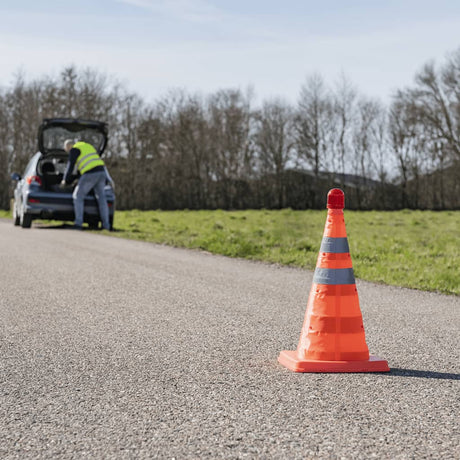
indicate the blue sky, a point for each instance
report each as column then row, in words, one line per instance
column 204, row 45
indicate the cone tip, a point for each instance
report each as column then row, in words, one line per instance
column 335, row 199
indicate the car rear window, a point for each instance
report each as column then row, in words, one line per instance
column 54, row 137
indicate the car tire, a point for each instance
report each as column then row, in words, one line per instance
column 111, row 222
column 16, row 219
column 25, row 220
column 93, row 224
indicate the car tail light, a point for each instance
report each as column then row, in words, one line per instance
column 33, row 179
column 33, row 200
column 109, row 204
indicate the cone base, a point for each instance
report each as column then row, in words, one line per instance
column 290, row 360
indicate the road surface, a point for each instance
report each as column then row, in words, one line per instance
column 121, row 349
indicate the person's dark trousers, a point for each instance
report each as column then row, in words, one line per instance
column 86, row 183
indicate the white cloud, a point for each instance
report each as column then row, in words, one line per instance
column 188, row 10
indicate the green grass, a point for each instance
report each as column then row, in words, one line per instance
column 417, row 249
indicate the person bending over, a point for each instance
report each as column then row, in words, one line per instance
column 93, row 176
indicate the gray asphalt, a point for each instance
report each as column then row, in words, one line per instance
column 122, row 349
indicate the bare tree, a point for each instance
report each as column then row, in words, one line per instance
column 436, row 101
column 344, row 109
column 275, row 142
column 5, row 154
column 313, row 123
column 186, row 148
column 23, row 112
column 433, row 105
column 68, row 92
column 232, row 150
column 362, row 143
column 404, row 141
column 130, row 176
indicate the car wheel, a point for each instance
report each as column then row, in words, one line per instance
column 111, row 222
column 25, row 220
column 16, row 219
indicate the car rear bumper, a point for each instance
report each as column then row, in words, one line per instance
column 59, row 206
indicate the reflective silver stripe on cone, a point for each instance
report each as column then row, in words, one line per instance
column 334, row 276
column 334, row 245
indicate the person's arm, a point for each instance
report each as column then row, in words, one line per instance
column 73, row 155
column 107, row 175
column 109, row 179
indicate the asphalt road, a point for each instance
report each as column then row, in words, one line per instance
column 122, row 349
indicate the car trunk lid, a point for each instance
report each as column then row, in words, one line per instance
column 53, row 132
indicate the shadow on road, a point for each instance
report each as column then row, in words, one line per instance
column 395, row 371
column 41, row 226
column 56, row 226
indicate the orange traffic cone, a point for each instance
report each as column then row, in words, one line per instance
column 332, row 338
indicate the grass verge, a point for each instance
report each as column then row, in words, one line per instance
column 416, row 249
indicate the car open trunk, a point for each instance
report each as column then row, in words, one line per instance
column 51, row 169
column 52, row 134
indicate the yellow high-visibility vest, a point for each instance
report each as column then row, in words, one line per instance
column 88, row 158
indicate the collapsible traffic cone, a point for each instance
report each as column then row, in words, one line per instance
column 332, row 338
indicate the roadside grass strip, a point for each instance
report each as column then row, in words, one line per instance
column 415, row 249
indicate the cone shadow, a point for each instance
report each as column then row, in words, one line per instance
column 399, row 372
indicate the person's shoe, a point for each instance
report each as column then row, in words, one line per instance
column 76, row 227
